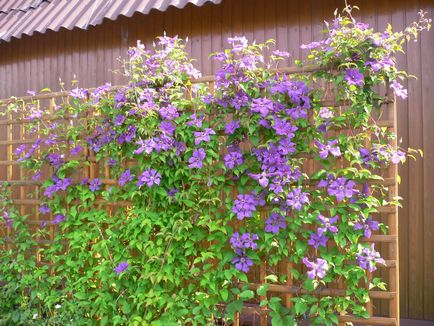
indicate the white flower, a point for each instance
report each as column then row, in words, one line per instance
column 57, row 306
column 35, row 316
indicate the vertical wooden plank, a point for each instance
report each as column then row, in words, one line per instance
column 259, row 21
column 426, row 81
column 402, row 113
column 206, row 35
column 281, row 9
column 294, row 25
column 416, row 177
column 196, row 29
column 216, row 34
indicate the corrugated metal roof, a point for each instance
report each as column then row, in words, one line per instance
column 24, row 17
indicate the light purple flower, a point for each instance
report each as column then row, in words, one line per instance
column 231, row 127
column 196, row 159
column 37, row 176
column 8, row 220
column 368, row 226
column 95, row 184
column 44, row 209
column 20, row 150
column 397, row 157
column 368, row 258
column 121, row 267
column 244, row 206
column 167, row 127
column 342, row 188
column 261, row 177
column 244, row 241
column 284, row 128
column 203, row 136
column 399, row 90
column 242, row 262
column 317, row 240
column 327, row 224
column 263, row 106
column 282, row 54
column 112, row 162
column 76, row 150
column 325, row 113
column 195, row 121
column 238, row 43
column 354, row 77
column 274, row 223
column 125, row 177
column 149, row 177
column 296, row 198
column 79, row 93
column 286, row 146
column 119, row 119
column 317, row 269
column 233, row 158
column 330, row 148
column 169, row 112
column 59, row 218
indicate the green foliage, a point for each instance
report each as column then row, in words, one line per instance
column 156, row 245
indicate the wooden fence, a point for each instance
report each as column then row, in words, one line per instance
column 384, row 305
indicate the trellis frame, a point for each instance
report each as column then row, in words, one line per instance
column 12, row 134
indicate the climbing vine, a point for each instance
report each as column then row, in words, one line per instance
column 205, row 183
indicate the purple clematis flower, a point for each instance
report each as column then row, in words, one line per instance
column 119, row 119
column 121, row 267
column 95, row 184
column 241, row 262
column 76, row 150
column 196, row 159
column 231, row 127
column 330, row 148
column 262, row 178
column 44, row 209
column 368, row 258
column 244, row 241
column 59, row 218
column 327, row 224
column 195, row 121
column 125, row 177
column 244, row 206
column 318, row 240
column 233, row 158
column 286, row 146
column 149, row 177
column 296, row 199
column 112, row 162
column 354, row 77
column 167, row 127
column 368, row 226
column 284, row 128
column 169, row 112
column 399, row 90
column 274, row 223
column 342, row 188
column 79, row 93
column 262, row 106
column 203, row 136
column 8, row 220
column 317, row 269
column 397, row 157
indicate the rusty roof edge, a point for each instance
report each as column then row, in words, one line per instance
column 20, row 27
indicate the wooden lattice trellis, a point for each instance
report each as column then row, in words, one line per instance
column 384, row 303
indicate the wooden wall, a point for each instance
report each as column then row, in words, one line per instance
column 91, row 57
